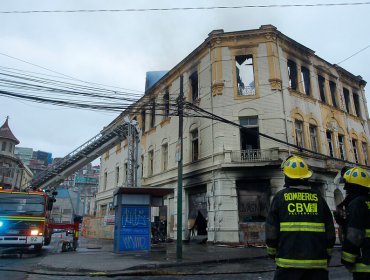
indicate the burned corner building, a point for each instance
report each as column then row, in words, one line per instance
column 260, row 79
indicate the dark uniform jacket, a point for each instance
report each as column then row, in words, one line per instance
column 356, row 243
column 299, row 229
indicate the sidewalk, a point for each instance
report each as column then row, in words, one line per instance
column 94, row 255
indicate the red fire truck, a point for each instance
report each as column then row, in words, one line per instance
column 24, row 219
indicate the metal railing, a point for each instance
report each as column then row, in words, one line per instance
column 254, row 155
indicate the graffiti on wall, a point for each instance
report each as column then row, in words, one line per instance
column 135, row 229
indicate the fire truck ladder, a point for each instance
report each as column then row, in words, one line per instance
column 92, row 149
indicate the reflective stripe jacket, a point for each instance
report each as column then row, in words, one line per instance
column 299, row 229
column 356, row 243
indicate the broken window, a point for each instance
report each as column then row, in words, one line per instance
column 249, row 139
column 321, row 81
column 194, row 145
column 166, row 101
column 194, row 86
column 245, row 75
column 152, row 114
column 342, row 150
column 313, row 137
column 305, row 74
column 356, row 101
column 329, row 138
column 299, row 133
column 292, row 72
column 355, row 151
column 150, row 162
column 346, row 99
column 333, row 92
column 364, row 152
column 164, row 156
column 143, row 121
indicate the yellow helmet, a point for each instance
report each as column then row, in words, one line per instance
column 296, row 168
column 357, row 176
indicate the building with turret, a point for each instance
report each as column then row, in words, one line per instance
column 14, row 174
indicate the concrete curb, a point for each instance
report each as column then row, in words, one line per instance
column 144, row 269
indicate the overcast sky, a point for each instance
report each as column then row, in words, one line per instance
column 118, row 48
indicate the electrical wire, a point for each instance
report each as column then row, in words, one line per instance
column 188, row 8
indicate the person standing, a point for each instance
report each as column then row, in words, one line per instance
column 356, row 223
column 300, row 231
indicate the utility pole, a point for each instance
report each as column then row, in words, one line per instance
column 179, row 156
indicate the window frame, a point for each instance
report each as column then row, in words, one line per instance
column 194, row 85
column 333, row 92
column 292, row 70
column 355, row 150
column 248, row 75
column 314, row 142
column 356, row 102
column 321, row 83
column 347, row 100
column 166, row 101
column 152, row 113
column 306, row 80
column 330, row 143
column 150, row 163
column 299, row 137
column 194, row 145
column 364, row 153
column 342, row 147
column 165, row 157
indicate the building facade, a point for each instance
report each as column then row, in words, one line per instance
column 259, row 79
column 14, row 174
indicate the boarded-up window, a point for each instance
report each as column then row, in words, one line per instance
column 253, row 200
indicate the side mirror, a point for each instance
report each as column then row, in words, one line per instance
column 54, row 193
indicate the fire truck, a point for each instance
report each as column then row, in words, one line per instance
column 25, row 218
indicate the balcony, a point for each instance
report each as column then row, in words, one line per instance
column 256, row 155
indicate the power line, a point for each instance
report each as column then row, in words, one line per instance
column 368, row 46
column 59, row 73
column 187, row 8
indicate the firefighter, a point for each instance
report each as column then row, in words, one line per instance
column 356, row 223
column 300, row 231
